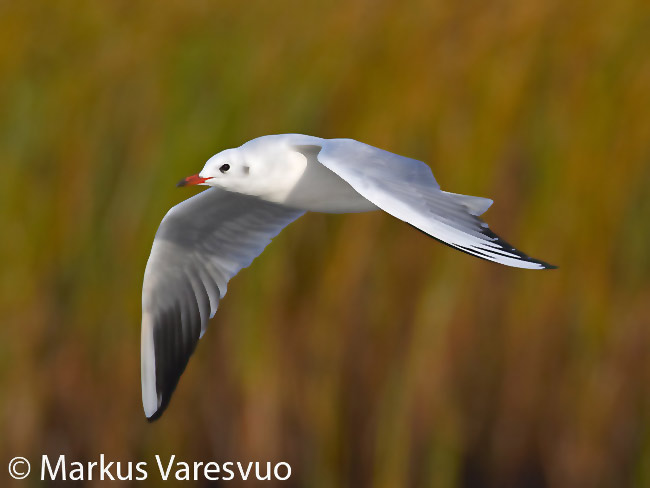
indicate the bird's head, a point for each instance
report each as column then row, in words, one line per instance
column 227, row 169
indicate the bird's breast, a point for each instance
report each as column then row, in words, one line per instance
column 319, row 189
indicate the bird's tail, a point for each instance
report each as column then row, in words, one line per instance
column 475, row 205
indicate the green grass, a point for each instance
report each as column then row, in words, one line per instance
column 355, row 348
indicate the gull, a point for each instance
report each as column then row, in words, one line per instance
column 258, row 189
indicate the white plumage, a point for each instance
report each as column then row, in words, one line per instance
column 260, row 188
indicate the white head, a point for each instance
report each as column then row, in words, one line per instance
column 227, row 169
column 262, row 167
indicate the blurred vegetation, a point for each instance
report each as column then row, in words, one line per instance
column 358, row 350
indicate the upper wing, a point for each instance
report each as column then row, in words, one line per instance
column 201, row 243
column 406, row 189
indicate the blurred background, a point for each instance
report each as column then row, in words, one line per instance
column 355, row 348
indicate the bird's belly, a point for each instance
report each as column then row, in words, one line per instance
column 340, row 204
column 321, row 190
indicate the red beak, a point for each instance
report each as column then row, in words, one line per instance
column 193, row 180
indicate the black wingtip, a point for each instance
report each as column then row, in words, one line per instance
column 163, row 405
column 172, row 351
column 493, row 238
column 156, row 415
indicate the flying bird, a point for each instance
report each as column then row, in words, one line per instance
column 258, row 189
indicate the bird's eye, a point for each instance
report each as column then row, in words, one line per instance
column 224, row 167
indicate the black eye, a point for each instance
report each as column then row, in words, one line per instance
column 224, row 167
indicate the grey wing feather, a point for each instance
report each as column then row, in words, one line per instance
column 200, row 245
column 406, row 189
column 370, row 162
